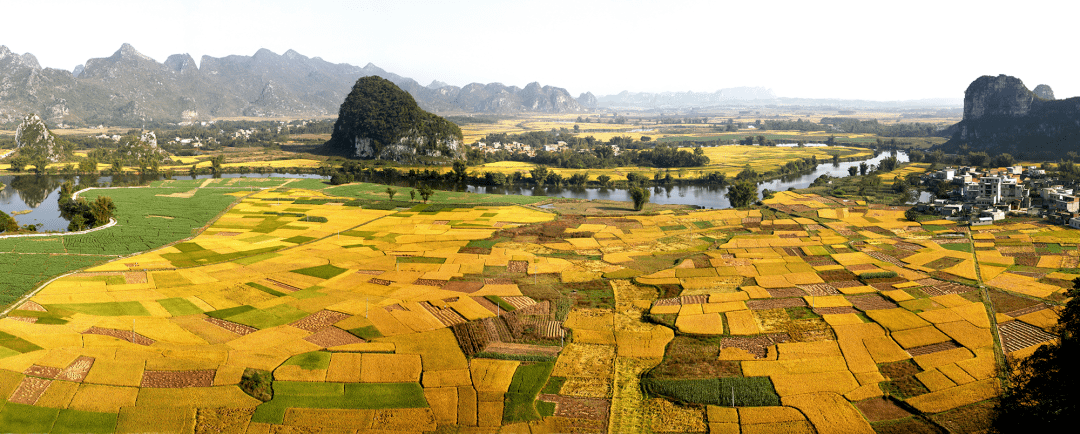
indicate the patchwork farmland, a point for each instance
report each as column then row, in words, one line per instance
column 304, row 308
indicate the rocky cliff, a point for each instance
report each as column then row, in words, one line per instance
column 131, row 89
column 379, row 120
column 1002, row 115
column 34, row 141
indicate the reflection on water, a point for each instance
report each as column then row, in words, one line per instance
column 39, row 194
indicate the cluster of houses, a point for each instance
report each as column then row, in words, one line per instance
column 983, row 197
column 515, row 147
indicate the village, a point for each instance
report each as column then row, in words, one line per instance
column 983, row 197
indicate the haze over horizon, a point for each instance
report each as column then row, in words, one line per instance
column 832, row 49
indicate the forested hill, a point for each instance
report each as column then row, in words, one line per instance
column 1002, row 116
column 131, row 89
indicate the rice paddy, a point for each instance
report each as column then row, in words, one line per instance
column 793, row 317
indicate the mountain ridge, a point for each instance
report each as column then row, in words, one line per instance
column 129, row 88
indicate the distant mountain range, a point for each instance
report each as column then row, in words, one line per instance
column 131, row 89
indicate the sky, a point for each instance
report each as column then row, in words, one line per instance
column 886, row 50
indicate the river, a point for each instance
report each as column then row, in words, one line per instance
column 39, row 194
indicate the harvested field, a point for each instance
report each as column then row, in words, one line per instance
column 29, row 390
column 755, row 345
column 77, row 370
column 1018, row 335
column 522, row 349
column 319, row 320
column 881, row 408
column 866, row 302
column 178, row 379
column 125, row 335
column 239, row 329
column 775, row 303
column 332, row 337
column 930, row 349
column 579, row 408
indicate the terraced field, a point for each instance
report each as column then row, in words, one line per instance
column 297, row 311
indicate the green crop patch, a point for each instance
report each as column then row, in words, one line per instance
column 959, row 247
column 323, row 271
column 21, row 418
column 500, row 302
column 310, row 361
column 257, row 258
column 527, row 382
column 703, row 224
column 179, row 306
column 226, row 313
column 188, row 247
column 368, row 332
column 265, row 289
column 74, row 421
column 288, row 394
column 269, row 317
column 726, row 391
column 16, row 343
column 420, row 260
column 117, row 308
column 299, row 239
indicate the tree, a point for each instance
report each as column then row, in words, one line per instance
column 603, row 180
column 742, row 193
column 216, row 162
column 911, row 215
column 540, row 175
column 863, row 168
column 18, row 164
column 88, row 166
column 8, row 223
column 425, row 192
column 412, row 195
column 102, row 209
column 640, row 196
column 390, row 192
column 852, row 170
column 1040, row 395
column 460, row 170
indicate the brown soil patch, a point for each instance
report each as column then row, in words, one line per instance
column 239, row 329
column 976, row 417
column 819, row 290
column 522, row 349
column 943, row 288
column 370, row 272
column 178, row 379
column 319, row 320
column 1026, row 310
column 834, row 310
column 914, row 425
column 378, row 281
column 785, row 292
column 862, row 267
column 579, row 408
column 42, row 371
column 29, row 319
column 223, row 420
column 519, row 302
column 818, row 261
column 463, row 286
column 332, row 337
column 517, row 266
column 125, row 335
column 934, row 348
column 775, row 303
column 446, row 315
column 881, row 408
column 487, row 304
column 32, row 306
column 227, row 234
column 430, row 282
column 756, row 345
column 865, row 302
column 832, row 276
column 287, row 287
column 134, row 277
column 1017, row 335
column 29, row 390
column 77, row 370
column 160, row 216
column 1005, row 302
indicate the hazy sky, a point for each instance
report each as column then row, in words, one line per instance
column 823, row 49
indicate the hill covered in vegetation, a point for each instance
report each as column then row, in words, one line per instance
column 379, row 120
column 1002, row 116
